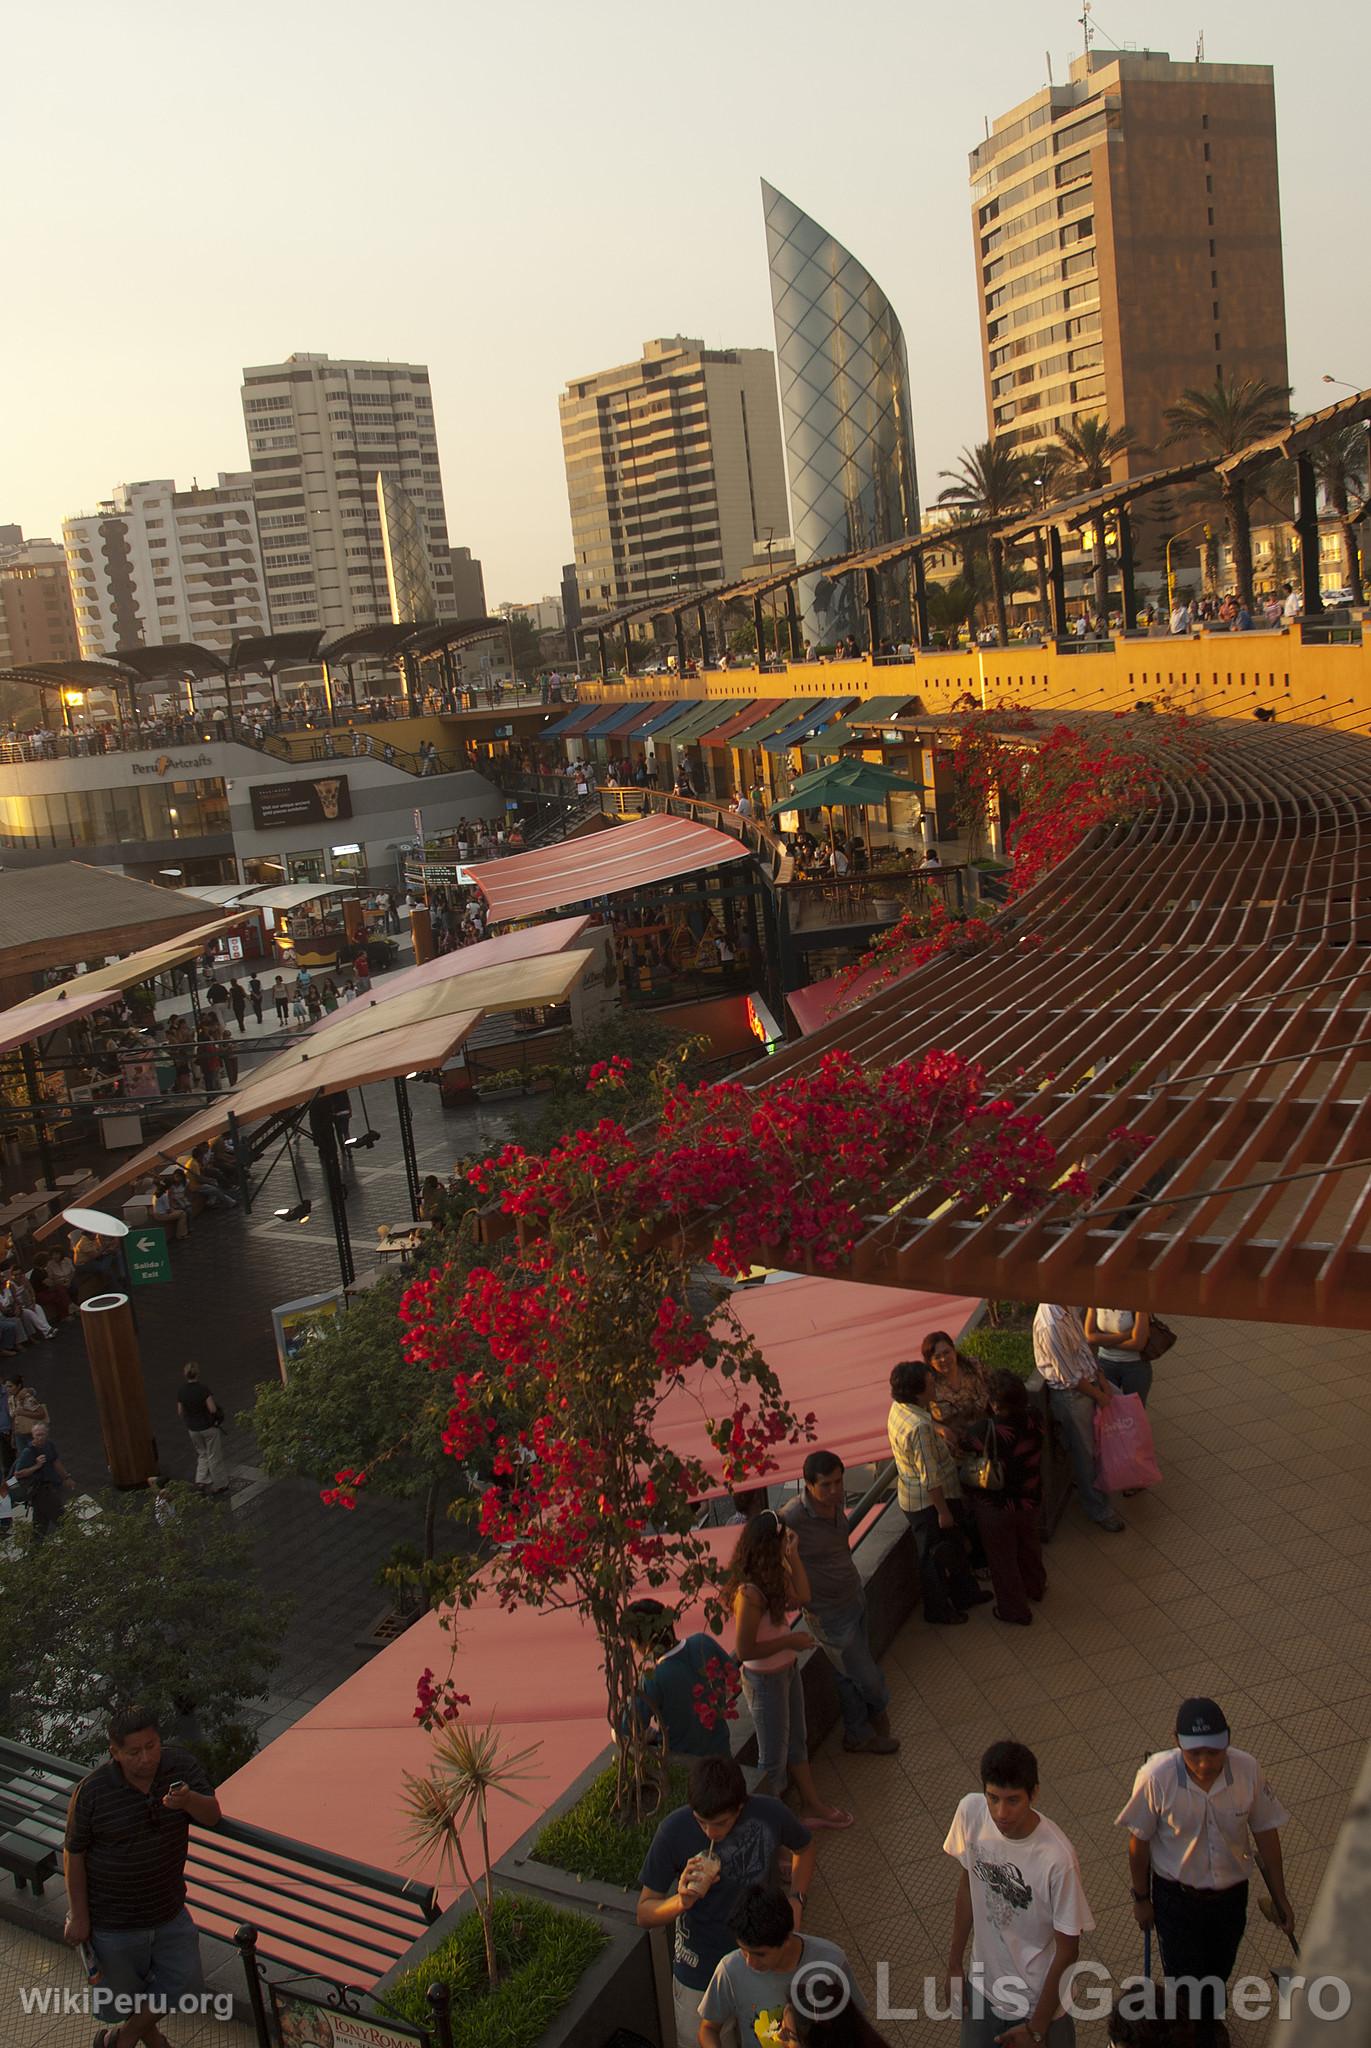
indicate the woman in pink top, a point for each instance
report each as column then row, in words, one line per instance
column 765, row 1579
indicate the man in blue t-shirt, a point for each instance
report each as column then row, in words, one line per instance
column 686, row 1688
column 703, row 1857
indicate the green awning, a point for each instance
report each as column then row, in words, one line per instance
column 872, row 711
column 698, row 717
column 863, row 784
column 775, row 721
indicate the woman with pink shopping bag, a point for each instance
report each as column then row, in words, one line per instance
column 1124, row 1456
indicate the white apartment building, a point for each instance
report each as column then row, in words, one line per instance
column 319, row 433
column 153, row 566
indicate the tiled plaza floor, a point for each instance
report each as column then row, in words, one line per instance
column 1244, row 1577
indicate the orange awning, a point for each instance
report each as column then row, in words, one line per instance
column 632, row 856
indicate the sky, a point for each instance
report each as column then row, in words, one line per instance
column 520, row 193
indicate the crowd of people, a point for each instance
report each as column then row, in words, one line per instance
column 729, row 1874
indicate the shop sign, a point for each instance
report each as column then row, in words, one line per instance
column 319, row 801
column 165, row 761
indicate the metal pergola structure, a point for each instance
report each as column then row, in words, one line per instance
column 1112, row 500
column 1201, row 974
column 186, row 662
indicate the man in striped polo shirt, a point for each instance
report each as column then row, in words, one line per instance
column 128, row 1830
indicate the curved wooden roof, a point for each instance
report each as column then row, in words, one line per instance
column 1202, row 974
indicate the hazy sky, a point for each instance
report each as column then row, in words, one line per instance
column 520, row 192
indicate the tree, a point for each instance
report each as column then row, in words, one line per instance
column 469, row 1764
column 989, row 483
column 168, row 1613
column 1089, row 451
column 1223, row 420
column 354, row 1403
column 647, row 1052
column 1341, row 467
column 525, row 646
column 594, row 1311
column 1045, row 465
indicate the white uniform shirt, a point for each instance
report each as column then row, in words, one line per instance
column 1201, row 1838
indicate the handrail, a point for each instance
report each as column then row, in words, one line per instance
column 236, row 1870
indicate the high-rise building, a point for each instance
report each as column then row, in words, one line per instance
column 153, row 566
column 36, row 619
column 405, row 546
column 1128, row 245
column 845, row 402
column 674, row 470
column 468, row 585
column 319, row 432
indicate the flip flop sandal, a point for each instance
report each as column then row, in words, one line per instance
column 844, row 1820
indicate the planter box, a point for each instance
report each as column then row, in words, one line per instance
column 618, row 1990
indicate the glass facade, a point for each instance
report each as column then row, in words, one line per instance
column 116, row 817
column 845, row 409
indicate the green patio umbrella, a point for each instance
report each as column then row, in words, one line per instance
column 860, row 784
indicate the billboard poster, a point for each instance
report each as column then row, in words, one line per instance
column 305, row 2022
column 297, row 1322
column 317, row 801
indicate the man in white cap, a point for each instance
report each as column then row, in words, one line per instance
column 1192, row 1812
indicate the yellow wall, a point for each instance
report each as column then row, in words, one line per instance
column 1220, row 674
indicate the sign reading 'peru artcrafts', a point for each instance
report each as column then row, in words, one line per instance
column 316, row 802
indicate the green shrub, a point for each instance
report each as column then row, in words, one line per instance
column 590, row 1841
column 996, row 1348
column 542, row 1953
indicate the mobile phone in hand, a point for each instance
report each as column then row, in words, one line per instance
column 90, row 1962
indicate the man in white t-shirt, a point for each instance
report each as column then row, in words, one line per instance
column 1021, row 1900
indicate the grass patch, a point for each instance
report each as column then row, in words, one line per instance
column 996, row 1348
column 591, row 1841
column 542, row 1954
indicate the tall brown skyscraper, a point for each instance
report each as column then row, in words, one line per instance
column 1128, row 244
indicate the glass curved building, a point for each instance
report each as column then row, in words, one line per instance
column 844, row 381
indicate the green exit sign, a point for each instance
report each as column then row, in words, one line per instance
column 147, row 1254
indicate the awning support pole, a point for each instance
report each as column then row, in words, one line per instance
column 39, row 1120
column 792, row 613
column 1130, row 595
column 1057, row 578
column 921, row 634
column 406, row 1122
column 1307, row 527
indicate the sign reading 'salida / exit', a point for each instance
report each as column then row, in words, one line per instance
column 147, row 1254
column 317, row 801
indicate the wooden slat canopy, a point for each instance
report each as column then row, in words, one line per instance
column 1202, row 974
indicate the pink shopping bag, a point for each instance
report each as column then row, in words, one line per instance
column 1123, row 1446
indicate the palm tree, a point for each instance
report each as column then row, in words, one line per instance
column 1341, row 467
column 1222, row 421
column 470, row 1764
column 1089, row 451
column 1043, row 470
column 989, row 483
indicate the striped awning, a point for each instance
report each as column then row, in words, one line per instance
column 813, row 721
column 857, row 727
column 721, row 735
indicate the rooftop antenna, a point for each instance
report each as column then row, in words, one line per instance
column 1088, row 27
column 1199, row 48
column 1050, row 79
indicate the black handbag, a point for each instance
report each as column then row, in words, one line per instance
column 1160, row 1338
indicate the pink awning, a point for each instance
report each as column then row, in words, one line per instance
column 832, row 1344
column 553, row 937
column 36, row 1019
column 632, row 856
column 819, row 1002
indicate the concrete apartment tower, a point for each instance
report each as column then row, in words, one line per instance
column 674, row 471
column 1128, row 245
column 37, row 622
column 154, row 566
column 319, row 433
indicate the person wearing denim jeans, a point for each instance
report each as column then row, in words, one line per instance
column 128, row 1830
column 835, row 1612
column 1076, row 1387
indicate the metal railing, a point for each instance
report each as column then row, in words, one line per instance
column 314, row 1910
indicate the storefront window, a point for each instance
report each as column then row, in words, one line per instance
column 261, row 871
column 305, row 867
column 126, row 816
column 348, row 863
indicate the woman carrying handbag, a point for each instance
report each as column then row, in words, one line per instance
column 1119, row 1337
